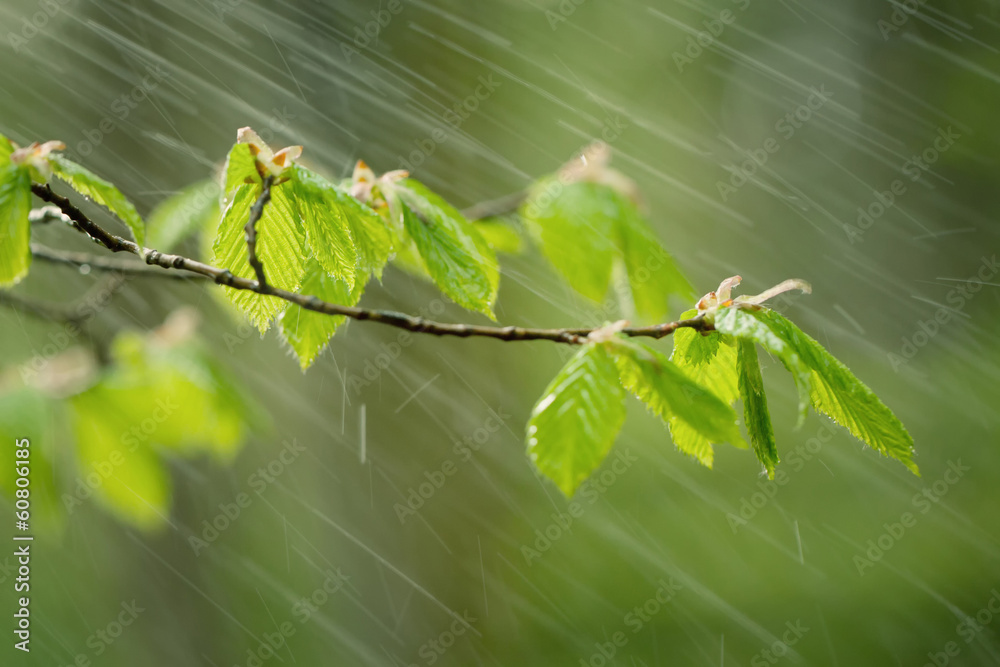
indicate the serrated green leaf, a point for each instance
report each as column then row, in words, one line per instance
column 574, row 425
column 710, row 361
column 184, row 214
column 90, row 185
column 755, row 412
column 280, row 247
column 652, row 273
column 576, row 226
column 307, row 332
column 241, row 169
column 740, row 323
column 15, row 228
column 371, row 235
column 456, row 256
column 328, row 233
column 831, row 387
column 670, row 394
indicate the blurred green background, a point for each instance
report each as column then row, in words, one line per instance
column 563, row 71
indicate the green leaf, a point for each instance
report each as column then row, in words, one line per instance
column 574, row 425
column 652, row 273
column 456, row 256
column 370, row 233
column 241, row 168
column 327, row 230
column 755, row 412
column 184, row 214
column 710, row 361
column 741, row 323
column 6, row 148
column 576, row 227
column 137, row 487
column 280, row 247
column 669, row 393
column 180, row 395
column 831, row 387
column 500, row 236
column 15, row 228
column 307, row 332
column 27, row 413
column 101, row 191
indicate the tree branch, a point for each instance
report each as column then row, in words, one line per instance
column 499, row 206
column 99, row 263
column 256, row 211
column 224, row 277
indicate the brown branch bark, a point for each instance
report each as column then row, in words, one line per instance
column 114, row 243
column 250, row 230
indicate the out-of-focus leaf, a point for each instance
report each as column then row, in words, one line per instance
column 668, row 393
column 576, row 227
column 15, row 228
column 456, row 256
column 829, row 385
column 652, row 273
column 131, row 481
column 307, row 332
column 6, row 148
column 501, row 236
column 184, row 214
column 27, row 414
column 755, row 412
column 101, row 191
column 280, row 247
column 574, row 425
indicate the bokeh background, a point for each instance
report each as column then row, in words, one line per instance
column 896, row 75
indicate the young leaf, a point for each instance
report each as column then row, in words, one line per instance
column 575, row 225
column 832, row 389
column 741, row 323
column 6, row 148
column 104, row 193
column 183, row 215
column 369, row 231
column 455, row 254
column 669, row 393
column 280, row 247
column 327, row 230
column 574, row 425
column 755, row 412
column 307, row 332
column 138, row 488
column 15, row 229
column 652, row 273
column 28, row 413
column 500, row 236
column 241, row 168
column 710, row 361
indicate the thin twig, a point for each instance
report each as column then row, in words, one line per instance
column 408, row 322
column 256, row 211
column 494, row 207
column 100, row 263
column 42, row 310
